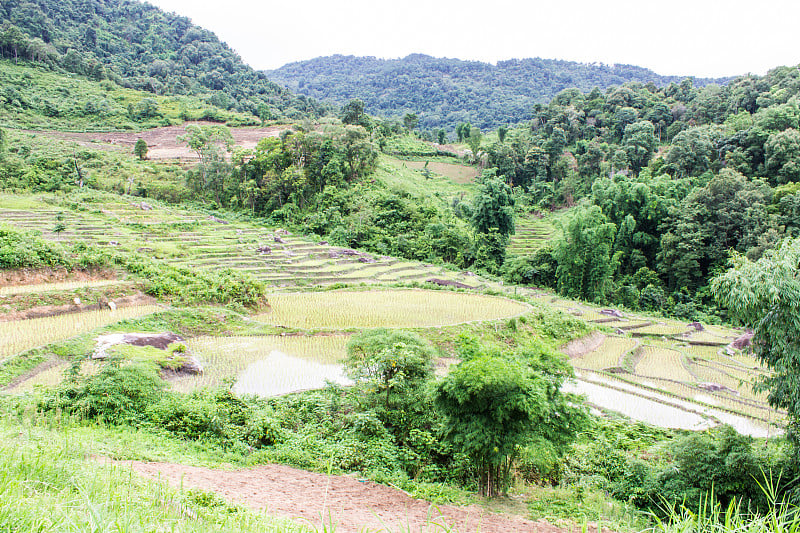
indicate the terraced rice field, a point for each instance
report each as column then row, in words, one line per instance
column 662, row 363
column 188, row 239
column 531, row 234
column 57, row 286
column 608, row 355
column 267, row 365
column 385, row 308
column 22, row 335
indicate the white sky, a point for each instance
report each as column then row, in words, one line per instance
column 671, row 37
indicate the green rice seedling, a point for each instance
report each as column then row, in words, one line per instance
column 664, row 363
column 385, row 308
column 58, row 286
column 607, row 355
column 21, row 335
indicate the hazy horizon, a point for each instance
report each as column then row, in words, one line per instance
column 688, row 38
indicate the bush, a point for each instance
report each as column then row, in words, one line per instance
column 117, row 393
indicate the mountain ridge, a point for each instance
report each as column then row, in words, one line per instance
column 445, row 91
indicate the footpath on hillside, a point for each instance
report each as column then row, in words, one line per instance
column 350, row 504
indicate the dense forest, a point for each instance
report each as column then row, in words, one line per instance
column 139, row 46
column 674, row 180
column 444, row 92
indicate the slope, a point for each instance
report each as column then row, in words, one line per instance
column 139, row 46
column 447, row 91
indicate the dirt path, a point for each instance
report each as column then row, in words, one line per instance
column 584, row 345
column 352, row 505
column 162, row 143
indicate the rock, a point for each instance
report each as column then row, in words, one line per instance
column 448, row 283
column 612, row 312
column 366, row 259
column 264, row 249
column 696, row 325
column 112, row 306
column 217, row 220
column 278, row 240
column 743, row 341
column 574, row 311
column 348, row 252
column 192, row 365
column 113, row 243
column 77, row 300
column 189, row 363
column 334, row 255
column 145, row 206
column 145, row 249
column 322, row 243
column 239, row 232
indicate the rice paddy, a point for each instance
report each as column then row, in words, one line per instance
column 608, row 355
column 22, row 335
column 385, row 308
column 266, row 365
column 664, row 363
column 56, row 286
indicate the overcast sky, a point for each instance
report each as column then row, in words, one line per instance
column 677, row 37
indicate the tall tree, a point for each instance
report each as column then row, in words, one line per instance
column 493, row 207
column 765, row 295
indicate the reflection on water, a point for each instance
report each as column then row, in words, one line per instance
column 660, row 414
column 637, row 407
column 280, row 373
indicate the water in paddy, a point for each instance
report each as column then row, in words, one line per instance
column 280, row 373
column 664, row 411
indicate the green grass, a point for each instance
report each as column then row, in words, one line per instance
column 401, row 175
column 35, row 98
column 49, row 481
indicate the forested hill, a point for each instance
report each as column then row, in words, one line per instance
column 140, row 46
column 444, row 92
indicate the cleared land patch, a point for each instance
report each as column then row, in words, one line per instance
column 454, row 171
column 385, row 308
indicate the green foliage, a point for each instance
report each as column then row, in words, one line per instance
column 765, row 295
column 180, row 58
column 24, row 250
column 493, row 405
column 584, row 255
column 484, row 94
column 140, row 149
column 389, row 363
column 192, row 285
column 493, row 207
column 116, row 393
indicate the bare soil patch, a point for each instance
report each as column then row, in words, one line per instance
column 162, row 143
column 31, row 276
column 350, row 504
column 584, row 345
column 44, row 311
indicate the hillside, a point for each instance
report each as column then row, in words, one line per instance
column 139, row 46
column 444, row 92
